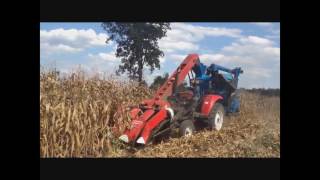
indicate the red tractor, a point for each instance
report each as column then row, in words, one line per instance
column 204, row 98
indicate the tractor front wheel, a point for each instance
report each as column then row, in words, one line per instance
column 186, row 128
column 216, row 117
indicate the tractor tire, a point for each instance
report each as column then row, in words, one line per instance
column 216, row 117
column 186, row 128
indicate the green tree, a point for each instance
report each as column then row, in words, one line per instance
column 137, row 46
column 158, row 81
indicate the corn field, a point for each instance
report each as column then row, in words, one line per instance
column 78, row 119
column 78, row 115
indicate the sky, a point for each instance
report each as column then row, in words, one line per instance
column 255, row 47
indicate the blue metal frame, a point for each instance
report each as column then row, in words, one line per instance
column 204, row 75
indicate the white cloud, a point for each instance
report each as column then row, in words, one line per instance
column 110, row 57
column 171, row 46
column 251, row 50
column 47, row 48
column 70, row 40
column 199, row 32
column 212, row 57
column 263, row 24
column 177, row 57
column 258, row 72
column 103, row 62
column 272, row 51
column 162, row 60
column 223, row 59
column 257, row 56
column 273, row 29
column 255, row 40
column 184, row 37
column 255, row 47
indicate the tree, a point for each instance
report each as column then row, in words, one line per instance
column 137, row 46
column 158, row 81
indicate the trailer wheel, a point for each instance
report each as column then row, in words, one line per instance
column 216, row 117
column 186, row 128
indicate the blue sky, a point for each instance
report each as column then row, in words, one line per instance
column 253, row 46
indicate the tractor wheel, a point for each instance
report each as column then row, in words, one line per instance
column 186, row 128
column 216, row 117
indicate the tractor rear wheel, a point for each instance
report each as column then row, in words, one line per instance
column 216, row 117
column 186, row 128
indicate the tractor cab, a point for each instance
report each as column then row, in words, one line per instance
column 221, row 85
column 225, row 85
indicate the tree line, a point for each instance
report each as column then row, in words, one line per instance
column 264, row 91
